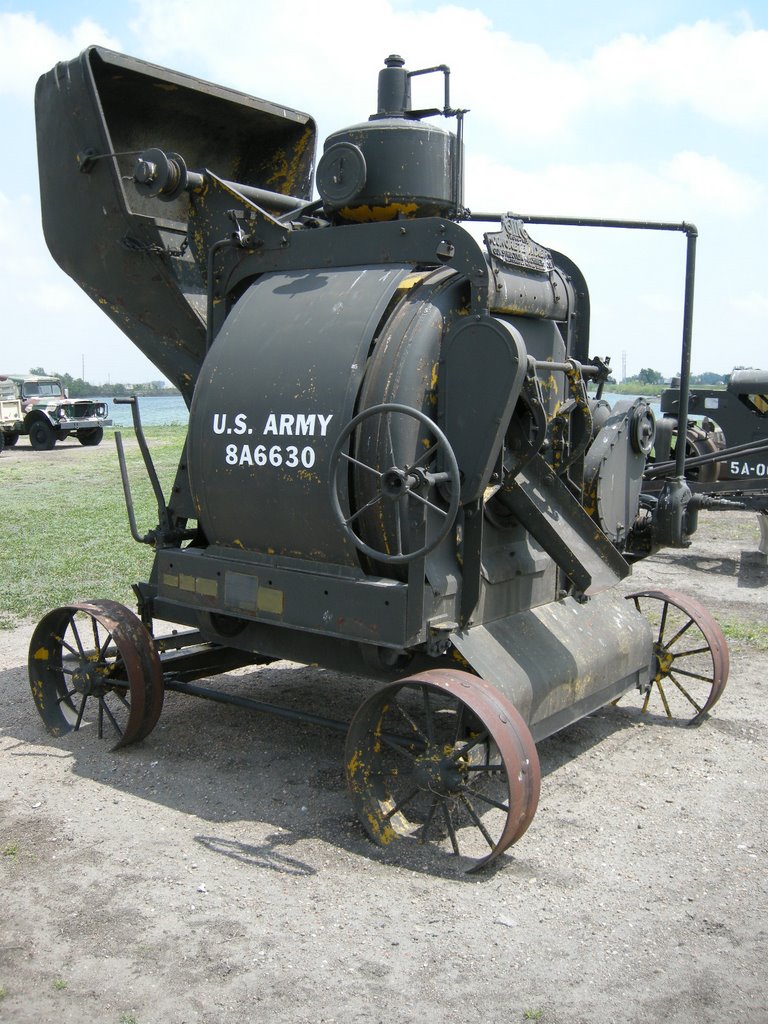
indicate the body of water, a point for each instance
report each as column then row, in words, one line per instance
column 155, row 411
column 164, row 409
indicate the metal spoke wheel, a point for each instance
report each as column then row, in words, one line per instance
column 442, row 758
column 401, row 489
column 690, row 656
column 95, row 662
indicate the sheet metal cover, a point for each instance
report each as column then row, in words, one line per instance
column 277, row 388
column 550, row 658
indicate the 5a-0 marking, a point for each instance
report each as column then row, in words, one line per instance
column 744, row 469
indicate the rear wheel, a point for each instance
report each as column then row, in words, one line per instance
column 42, row 436
column 95, row 663
column 690, row 656
column 11, row 438
column 699, row 443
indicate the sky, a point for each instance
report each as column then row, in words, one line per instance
column 652, row 111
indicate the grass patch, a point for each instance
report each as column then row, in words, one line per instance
column 754, row 634
column 64, row 530
column 3, row 991
column 127, row 1018
column 60, row 984
column 11, row 850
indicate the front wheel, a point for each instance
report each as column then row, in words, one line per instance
column 91, row 436
column 42, row 436
column 444, row 762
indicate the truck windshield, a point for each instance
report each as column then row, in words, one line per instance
column 42, row 389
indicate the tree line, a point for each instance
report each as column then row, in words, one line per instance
column 76, row 387
column 709, row 379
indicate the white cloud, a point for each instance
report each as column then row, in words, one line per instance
column 715, row 72
column 513, row 88
column 28, row 48
column 688, row 184
column 47, row 320
column 707, row 181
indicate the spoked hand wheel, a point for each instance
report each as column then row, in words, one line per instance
column 444, row 760
column 96, row 661
column 690, row 656
column 402, row 490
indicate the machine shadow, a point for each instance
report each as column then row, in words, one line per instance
column 233, row 770
column 749, row 569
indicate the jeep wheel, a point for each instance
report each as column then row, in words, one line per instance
column 42, row 436
column 10, row 438
column 2, row 440
column 90, row 437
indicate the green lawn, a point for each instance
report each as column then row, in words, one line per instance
column 64, row 531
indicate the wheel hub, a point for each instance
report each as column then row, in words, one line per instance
column 394, row 484
column 664, row 660
column 436, row 773
column 89, row 679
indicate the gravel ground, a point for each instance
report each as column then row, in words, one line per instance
column 216, row 873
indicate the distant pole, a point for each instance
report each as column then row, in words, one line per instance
column 82, row 367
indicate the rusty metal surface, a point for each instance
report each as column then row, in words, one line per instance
column 96, row 656
column 562, row 660
column 691, row 661
column 443, row 758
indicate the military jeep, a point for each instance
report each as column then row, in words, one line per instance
column 39, row 407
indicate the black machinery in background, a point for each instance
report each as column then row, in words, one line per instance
column 393, row 466
column 726, row 444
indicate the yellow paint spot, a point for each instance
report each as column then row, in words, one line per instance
column 41, row 654
column 270, row 599
column 206, row 587
column 354, row 764
column 382, row 832
column 411, row 281
column 365, row 214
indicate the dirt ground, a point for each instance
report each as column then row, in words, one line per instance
column 216, row 873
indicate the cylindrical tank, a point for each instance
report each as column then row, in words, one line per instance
column 392, row 165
